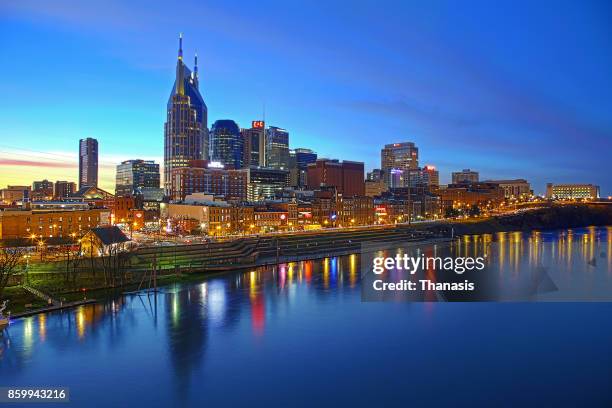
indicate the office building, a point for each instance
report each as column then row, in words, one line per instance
column 572, row 191
column 277, row 148
column 400, row 157
column 227, row 144
column 186, row 127
column 516, row 188
column 133, row 175
column 209, row 178
column 346, row 177
column 254, row 144
column 88, row 163
column 266, row 183
column 299, row 159
column 63, row 189
column 465, row 176
column 15, row 194
column 42, row 190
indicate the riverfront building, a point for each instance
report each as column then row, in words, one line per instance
column 513, row 188
column 51, row 220
column 186, row 127
column 571, row 191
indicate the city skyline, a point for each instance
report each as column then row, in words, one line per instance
column 419, row 112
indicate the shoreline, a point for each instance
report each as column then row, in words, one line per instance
column 296, row 248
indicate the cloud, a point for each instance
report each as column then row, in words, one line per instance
column 31, row 163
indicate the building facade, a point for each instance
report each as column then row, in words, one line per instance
column 50, row 223
column 266, row 183
column 277, row 148
column 133, row 175
column 227, row 144
column 88, row 163
column 465, row 176
column 42, row 190
column 572, row 191
column 63, row 189
column 518, row 188
column 200, row 177
column 346, row 177
column 254, row 144
column 400, row 157
column 186, row 127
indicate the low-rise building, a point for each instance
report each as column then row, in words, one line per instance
column 516, row 188
column 47, row 222
column 572, row 191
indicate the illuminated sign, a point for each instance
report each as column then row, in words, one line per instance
column 257, row 124
column 215, row 165
column 283, row 216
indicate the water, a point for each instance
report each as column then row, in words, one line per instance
column 299, row 335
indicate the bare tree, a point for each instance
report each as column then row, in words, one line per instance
column 10, row 258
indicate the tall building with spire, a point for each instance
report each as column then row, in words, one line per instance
column 186, row 127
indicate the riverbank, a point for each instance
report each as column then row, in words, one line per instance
column 189, row 263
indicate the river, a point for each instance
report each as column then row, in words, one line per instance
column 298, row 334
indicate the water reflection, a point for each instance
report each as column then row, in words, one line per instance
column 173, row 329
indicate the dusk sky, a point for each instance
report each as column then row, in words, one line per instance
column 511, row 90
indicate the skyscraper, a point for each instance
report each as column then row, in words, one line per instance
column 227, row 144
column 186, row 127
column 397, row 159
column 88, row 163
column 298, row 163
column 255, row 144
column 277, row 148
column 133, row 175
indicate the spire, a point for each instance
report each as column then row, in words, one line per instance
column 180, row 53
column 180, row 72
column 196, row 78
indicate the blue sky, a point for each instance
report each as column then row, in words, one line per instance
column 512, row 89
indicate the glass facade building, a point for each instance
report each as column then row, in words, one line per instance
column 186, row 127
column 133, row 175
column 88, row 163
column 227, row 144
column 277, row 148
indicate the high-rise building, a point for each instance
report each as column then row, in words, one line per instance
column 133, row 175
column 227, row 144
column 465, row 176
column 347, row 176
column 63, row 189
column 42, row 190
column 400, row 157
column 88, row 163
column 186, row 127
column 299, row 159
column 254, row 144
column 427, row 177
column 375, row 175
column 277, row 148
column 201, row 177
column 265, row 183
